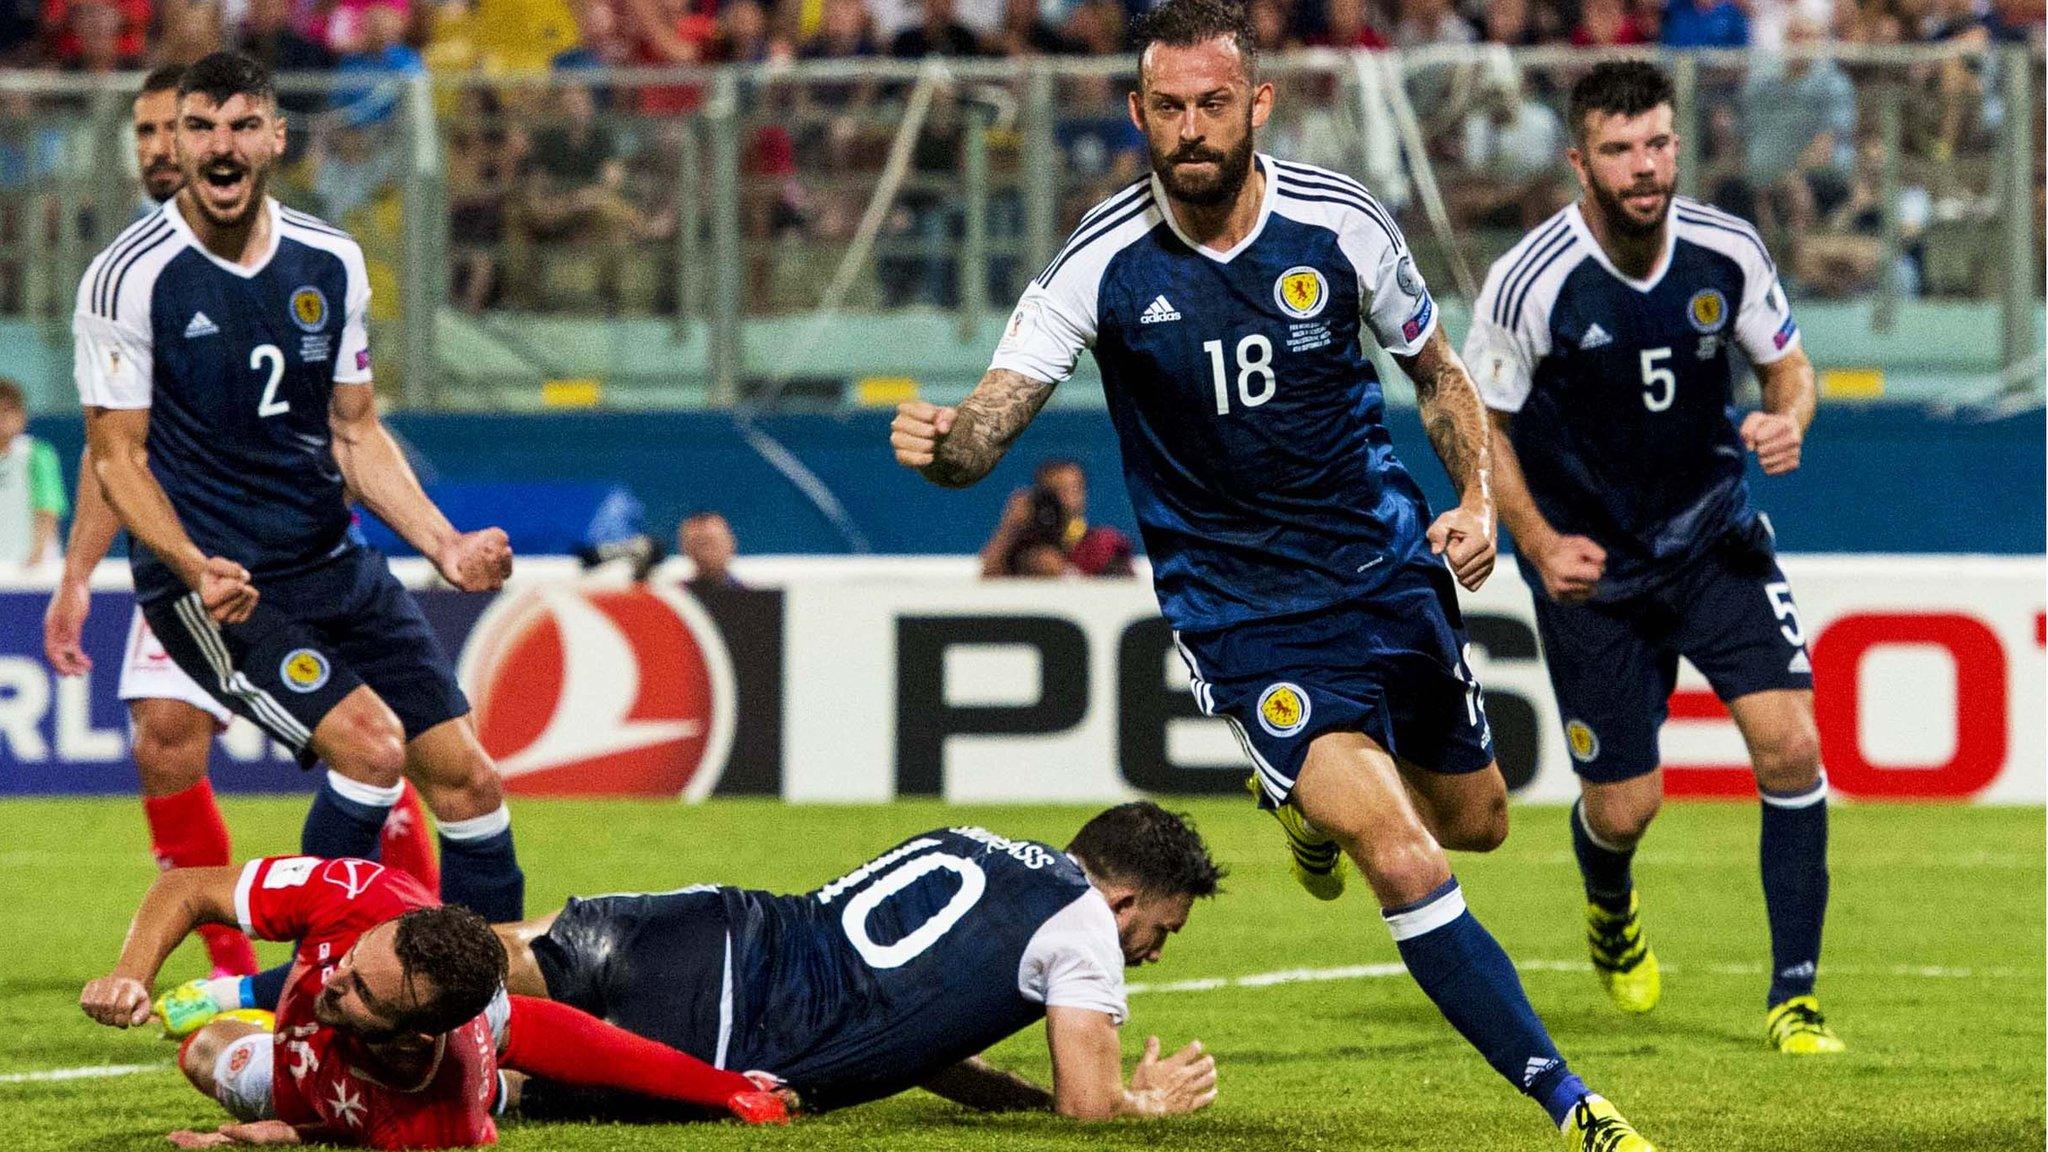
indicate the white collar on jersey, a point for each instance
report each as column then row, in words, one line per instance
column 1585, row 231
column 176, row 212
column 1265, row 163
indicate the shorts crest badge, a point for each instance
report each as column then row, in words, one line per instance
column 309, row 309
column 1708, row 310
column 1584, row 745
column 1301, row 292
column 1283, row 709
column 303, row 670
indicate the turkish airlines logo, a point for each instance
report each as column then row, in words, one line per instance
column 351, row 876
column 614, row 691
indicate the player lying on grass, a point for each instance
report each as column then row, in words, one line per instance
column 395, row 1023
column 897, row 974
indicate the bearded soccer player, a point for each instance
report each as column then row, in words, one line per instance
column 224, row 365
column 1602, row 343
column 395, row 1023
column 900, row 973
column 172, row 719
column 1312, row 595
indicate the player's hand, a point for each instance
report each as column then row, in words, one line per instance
column 1464, row 538
column 477, row 561
column 259, row 1132
column 63, row 623
column 1775, row 439
column 116, row 1001
column 1570, row 567
column 1181, row 1083
column 917, row 430
column 225, row 590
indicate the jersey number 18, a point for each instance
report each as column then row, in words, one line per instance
column 1254, row 366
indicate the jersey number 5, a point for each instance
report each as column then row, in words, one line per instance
column 1254, row 363
column 973, row 882
column 1660, row 385
column 269, row 355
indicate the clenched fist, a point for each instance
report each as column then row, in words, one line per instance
column 917, row 430
column 116, row 1001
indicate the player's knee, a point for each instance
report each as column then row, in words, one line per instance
column 200, row 1053
column 367, row 744
column 168, row 762
column 1482, row 827
column 461, row 787
column 1621, row 823
column 1402, row 867
column 1790, row 762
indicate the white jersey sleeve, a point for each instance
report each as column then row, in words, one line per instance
column 1075, row 960
column 1396, row 302
column 1510, row 332
column 1763, row 325
column 1057, row 316
column 1502, row 361
column 113, row 361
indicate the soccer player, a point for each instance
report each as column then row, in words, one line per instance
column 172, row 719
column 1602, row 343
column 901, row 972
column 395, row 1023
column 1224, row 297
column 225, row 371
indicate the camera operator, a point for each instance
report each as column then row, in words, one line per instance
column 1044, row 530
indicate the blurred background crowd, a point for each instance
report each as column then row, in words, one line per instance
column 588, row 172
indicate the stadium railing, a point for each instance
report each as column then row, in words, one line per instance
column 764, row 236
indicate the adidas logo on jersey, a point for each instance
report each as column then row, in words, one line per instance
column 1800, row 663
column 1595, row 337
column 1159, row 311
column 201, row 326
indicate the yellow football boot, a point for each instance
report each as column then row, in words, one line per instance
column 1318, row 862
column 1597, row 1125
column 1797, row 1028
column 185, row 1009
column 1622, row 958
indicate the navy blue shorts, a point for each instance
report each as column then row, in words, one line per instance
column 1613, row 665
column 314, row 638
column 1392, row 666
column 656, row 964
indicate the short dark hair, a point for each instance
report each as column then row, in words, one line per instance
column 1052, row 464
column 1185, row 23
column 455, row 950
column 11, row 395
column 1142, row 844
column 222, row 76
column 165, row 78
column 1626, row 88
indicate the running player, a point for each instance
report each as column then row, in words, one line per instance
column 901, row 972
column 172, row 719
column 223, row 363
column 1224, row 297
column 1603, row 342
column 395, row 1023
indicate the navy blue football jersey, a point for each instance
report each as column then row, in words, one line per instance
column 236, row 366
column 918, row 959
column 1623, row 389
column 1249, row 415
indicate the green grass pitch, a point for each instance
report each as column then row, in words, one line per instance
column 1934, row 973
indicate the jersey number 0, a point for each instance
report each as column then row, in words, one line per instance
column 973, row 882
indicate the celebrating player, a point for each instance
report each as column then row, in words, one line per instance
column 173, row 720
column 1224, row 297
column 225, row 370
column 901, row 972
column 395, row 1022
column 1602, row 344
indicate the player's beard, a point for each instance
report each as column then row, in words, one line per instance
column 1233, row 168
column 163, row 180
column 256, row 177
column 1624, row 222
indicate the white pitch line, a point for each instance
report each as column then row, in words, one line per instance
column 1391, row 971
column 90, row 1072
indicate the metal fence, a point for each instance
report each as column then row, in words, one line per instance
column 750, row 219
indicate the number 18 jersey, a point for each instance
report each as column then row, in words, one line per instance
column 236, row 366
column 1250, row 418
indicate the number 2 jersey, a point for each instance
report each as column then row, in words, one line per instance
column 1622, row 389
column 1250, row 418
column 237, row 366
column 924, row 956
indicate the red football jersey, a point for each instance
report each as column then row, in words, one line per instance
column 326, row 1082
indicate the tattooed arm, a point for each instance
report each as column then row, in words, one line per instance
column 954, row 447
column 1456, row 421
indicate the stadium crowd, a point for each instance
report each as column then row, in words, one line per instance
column 589, row 174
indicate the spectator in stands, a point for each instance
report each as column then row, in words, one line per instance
column 572, row 193
column 482, row 161
column 707, row 541
column 20, row 21
column 1511, row 143
column 1608, row 23
column 1705, row 24
column 937, row 34
column 1509, row 23
column 844, row 33
column 190, row 29
column 600, row 45
column 1426, row 22
column 1348, row 24
column 98, row 32
column 267, row 35
column 1843, row 254
column 350, row 165
column 1770, row 21
column 1269, row 26
column 344, row 25
column 665, row 34
column 70, row 24
column 1100, row 149
column 1800, row 124
column 31, row 487
column 1044, row 530
column 380, row 49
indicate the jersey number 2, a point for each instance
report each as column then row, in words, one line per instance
column 973, row 882
column 268, row 354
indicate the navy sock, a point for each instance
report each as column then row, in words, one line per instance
column 1794, row 854
column 1606, row 871
column 346, row 818
column 480, row 868
column 266, row 988
column 1462, row 968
